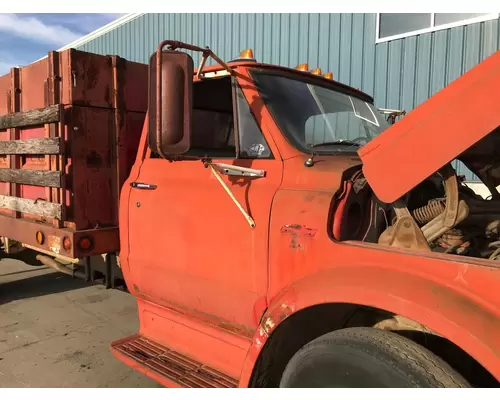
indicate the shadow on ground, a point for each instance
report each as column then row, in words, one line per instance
column 41, row 280
column 26, row 256
column 37, row 286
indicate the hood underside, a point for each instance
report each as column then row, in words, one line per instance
column 459, row 122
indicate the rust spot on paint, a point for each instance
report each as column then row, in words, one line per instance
column 294, row 244
column 308, row 198
column 93, row 160
column 212, row 319
column 271, row 321
column 296, row 230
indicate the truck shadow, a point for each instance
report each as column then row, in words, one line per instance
column 34, row 280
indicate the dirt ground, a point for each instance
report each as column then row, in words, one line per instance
column 55, row 331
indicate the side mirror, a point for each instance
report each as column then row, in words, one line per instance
column 170, row 102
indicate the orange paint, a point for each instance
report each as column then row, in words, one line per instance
column 211, row 290
column 192, row 254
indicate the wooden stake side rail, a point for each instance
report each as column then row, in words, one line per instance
column 38, row 207
column 31, row 146
column 40, row 116
column 41, row 146
column 31, row 177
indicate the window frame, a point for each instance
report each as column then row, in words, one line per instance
column 235, row 86
column 432, row 28
column 317, row 81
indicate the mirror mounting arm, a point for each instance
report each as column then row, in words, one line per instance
column 206, row 52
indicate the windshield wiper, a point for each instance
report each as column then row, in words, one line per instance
column 343, row 142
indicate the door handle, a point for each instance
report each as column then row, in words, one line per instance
column 146, row 186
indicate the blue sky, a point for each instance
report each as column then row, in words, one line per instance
column 25, row 38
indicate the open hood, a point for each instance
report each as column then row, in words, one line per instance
column 459, row 122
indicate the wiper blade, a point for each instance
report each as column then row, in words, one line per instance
column 343, row 142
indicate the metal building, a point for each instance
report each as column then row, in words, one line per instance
column 399, row 59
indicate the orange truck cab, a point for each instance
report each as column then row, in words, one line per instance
column 276, row 231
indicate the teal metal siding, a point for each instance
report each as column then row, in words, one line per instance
column 399, row 74
column 412, row 69
column 341, row 43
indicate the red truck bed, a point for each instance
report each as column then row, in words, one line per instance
column 69, row 130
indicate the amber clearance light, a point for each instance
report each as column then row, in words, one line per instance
column 40, row 237
column 328, row 75
column 316, row 71
column 247, row 54
column 303, row 67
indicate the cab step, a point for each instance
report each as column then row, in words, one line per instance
column 171, row 365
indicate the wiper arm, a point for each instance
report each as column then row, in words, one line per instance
column 343, row 142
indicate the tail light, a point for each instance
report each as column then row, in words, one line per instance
column 85, row 243
column 66, row 243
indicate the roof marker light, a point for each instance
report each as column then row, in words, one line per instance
column 245, row 55
column 303, row 67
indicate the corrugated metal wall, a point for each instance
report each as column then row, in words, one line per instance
column 341, row 43
column 398, row 74
column 410, row 70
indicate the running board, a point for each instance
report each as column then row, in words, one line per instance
column 171, row 365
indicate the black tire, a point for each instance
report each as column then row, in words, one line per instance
column 367, row 358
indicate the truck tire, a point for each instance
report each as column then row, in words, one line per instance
column 367, row 358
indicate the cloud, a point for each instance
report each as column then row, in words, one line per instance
column 4, row 67
column 34, row 29
column 7, row 61
column 25, row 38
column 81, row 23
column 89, row 22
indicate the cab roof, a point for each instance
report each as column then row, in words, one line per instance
column 319, row 79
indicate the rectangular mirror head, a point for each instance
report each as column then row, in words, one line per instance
column 170, row 102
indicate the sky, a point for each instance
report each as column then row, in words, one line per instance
column 25, row 38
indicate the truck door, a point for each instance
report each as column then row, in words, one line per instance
column 190, row 246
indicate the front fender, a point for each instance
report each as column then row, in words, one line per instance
column 449, row 310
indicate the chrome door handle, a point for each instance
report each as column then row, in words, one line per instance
column 146, row 186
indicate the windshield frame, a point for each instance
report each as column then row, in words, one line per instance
column 319, row 81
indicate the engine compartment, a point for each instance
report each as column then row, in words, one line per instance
column 442, row 214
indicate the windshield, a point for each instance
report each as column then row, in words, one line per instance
column 312, row 116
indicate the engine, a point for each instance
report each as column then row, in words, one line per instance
column 475, row 235
column 442, row 214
